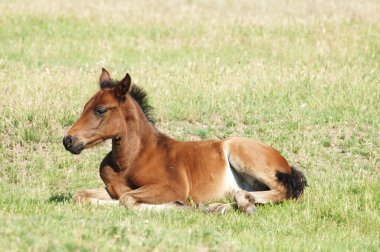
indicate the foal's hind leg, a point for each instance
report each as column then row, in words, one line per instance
column 261, row 163
column 97, row 196
column 245, row 202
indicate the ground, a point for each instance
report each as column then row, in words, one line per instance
column 302, row 76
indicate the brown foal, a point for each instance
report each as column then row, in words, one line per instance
column 147, row 169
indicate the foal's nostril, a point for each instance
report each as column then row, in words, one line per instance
column 68, row 141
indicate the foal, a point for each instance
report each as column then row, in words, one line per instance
column 148, row 170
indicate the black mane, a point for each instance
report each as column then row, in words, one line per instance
column 138, row 94
column 141, row 97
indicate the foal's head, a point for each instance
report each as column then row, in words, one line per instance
column 106, row 114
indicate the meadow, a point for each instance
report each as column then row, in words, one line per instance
column 302, row 76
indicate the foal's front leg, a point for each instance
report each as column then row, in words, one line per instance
column 98, row 196
column 154, row 197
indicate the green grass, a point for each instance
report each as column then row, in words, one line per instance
column 301, row 76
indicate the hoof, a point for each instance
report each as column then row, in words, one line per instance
column 249, row 209
column 218, row 208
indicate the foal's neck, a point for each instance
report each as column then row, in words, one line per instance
column 138, row 135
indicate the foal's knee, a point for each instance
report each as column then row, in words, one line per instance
column 127, row 200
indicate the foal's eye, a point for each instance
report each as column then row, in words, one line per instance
column 100, row 111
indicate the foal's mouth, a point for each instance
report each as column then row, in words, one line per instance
column 76, row 149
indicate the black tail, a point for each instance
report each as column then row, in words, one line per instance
column 295, row 182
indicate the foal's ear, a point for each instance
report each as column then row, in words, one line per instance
column 104, row 76
column 124, row 86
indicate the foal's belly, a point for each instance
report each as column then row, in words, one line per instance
column 218, row 184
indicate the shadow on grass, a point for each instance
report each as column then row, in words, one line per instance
column 57, row 198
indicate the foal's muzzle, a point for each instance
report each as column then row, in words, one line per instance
column 70, row 144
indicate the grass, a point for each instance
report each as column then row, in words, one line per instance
column 302, row 76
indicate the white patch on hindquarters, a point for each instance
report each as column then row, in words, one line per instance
column 230, row 184
column 235, row 180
